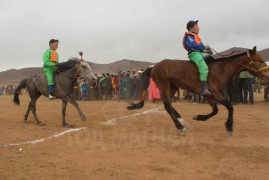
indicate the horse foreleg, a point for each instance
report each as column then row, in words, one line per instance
column 215, row 110
column 229, row 106
column 229, row 122
column 81, row 114
column 64, row 104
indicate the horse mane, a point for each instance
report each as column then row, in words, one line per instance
column 63, row 66
column 221, row 57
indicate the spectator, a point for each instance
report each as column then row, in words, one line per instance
column 75, row 90
column 245, row 78
column 266, row 91
column 257, row 85
column 234, row 90
column 124, row 86
column 197, row 99
column 84, row 88
column 92, row 86
column 154, row 93
column 108, row 89
column 187, row 95
column 114, row 86
column 101, row 86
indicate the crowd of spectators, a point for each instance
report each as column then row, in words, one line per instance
column 7, row 90
column 241, row 89
column 125, row 85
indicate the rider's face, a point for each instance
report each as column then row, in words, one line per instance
column 195, row 29
column 54, row 46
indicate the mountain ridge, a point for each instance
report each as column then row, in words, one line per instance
column 14, row 76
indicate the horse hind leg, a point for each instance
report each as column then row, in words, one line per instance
column 215, row 110
column 27, row 112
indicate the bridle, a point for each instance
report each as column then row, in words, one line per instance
column 252, row 62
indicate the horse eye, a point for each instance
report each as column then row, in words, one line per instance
column 84, row 67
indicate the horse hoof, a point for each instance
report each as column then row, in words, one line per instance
column 71, row 125
column 83, row 118
column 183, row 130
column 66, row 125
column 195, row 118
column 230, row 133
column 41, row 124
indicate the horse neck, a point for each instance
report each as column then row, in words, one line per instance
column 70, row 75
column 232, row 67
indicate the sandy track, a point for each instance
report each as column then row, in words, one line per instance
column 140, row 144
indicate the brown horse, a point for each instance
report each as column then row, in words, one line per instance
column 169, row 75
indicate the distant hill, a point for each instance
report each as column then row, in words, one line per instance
column 265, row 54
column 14, row 76
column 119, row 65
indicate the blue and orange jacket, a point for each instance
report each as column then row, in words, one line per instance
column 192, row 42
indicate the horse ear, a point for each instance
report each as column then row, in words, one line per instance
column 253, row 51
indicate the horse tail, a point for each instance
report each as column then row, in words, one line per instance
column 22, row 85
column 144, row 83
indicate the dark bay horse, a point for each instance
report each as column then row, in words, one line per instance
column 171, row 74
column 66, row 73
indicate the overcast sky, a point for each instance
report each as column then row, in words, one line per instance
column 111, row 30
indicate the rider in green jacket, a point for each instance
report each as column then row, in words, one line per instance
column 50, row 59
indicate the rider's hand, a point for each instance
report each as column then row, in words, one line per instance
column 208, row 51
column 207, row 47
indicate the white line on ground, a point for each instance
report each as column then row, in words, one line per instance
column 113, row 121
column 108, row 122
column 47, row 138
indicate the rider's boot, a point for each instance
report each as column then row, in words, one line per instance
column 205, row 91
column 51, row 92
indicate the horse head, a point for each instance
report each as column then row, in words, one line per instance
column 85, row 70
column 257, row 65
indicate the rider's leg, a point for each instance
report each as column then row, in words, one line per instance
column 198, row 59
column 51, row 88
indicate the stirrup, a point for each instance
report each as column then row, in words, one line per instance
column 51, row 97
column 206, row 93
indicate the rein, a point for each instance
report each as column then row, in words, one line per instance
column 222, row 55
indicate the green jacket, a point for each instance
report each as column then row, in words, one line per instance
column 245, row 74
column 46, row 59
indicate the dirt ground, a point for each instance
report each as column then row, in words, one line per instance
column 141, row 144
